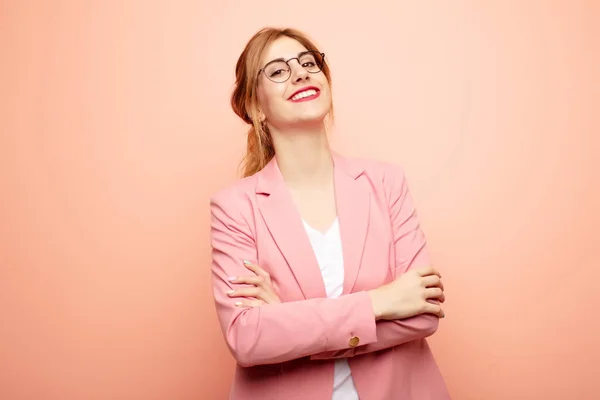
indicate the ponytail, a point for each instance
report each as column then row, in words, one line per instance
column 259, row 149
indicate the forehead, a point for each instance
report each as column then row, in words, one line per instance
column 283, row 47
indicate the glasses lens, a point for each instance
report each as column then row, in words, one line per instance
column 277, row 71
column 312, row 61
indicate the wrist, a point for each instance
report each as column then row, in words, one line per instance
column 376, row 304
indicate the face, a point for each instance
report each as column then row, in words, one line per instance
column 304, row 99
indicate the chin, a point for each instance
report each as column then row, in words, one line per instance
column 309, row 117
column 311, row 120
column 312, row 116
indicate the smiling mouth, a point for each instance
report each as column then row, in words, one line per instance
column 305, row 95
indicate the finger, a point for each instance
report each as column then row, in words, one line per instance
column 268, row 291
column 256, row 269
column 249, row 303
column 249, row 280
column 433, row 301
column 429, row 270
column 434, row 293
column 434, row 309
column 442, row 298
column 246, row 292
column 433, row 281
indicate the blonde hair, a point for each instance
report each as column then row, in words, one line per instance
column 259, row 147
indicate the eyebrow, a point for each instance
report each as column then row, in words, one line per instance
column 283, row 59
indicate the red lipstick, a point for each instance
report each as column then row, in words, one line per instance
column 314, row 95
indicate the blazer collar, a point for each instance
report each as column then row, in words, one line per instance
column 284, row 222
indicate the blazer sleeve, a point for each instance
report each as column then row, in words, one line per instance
column 275, row 333
column 411, row 252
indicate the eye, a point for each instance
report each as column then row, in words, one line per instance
column 276, row 69
column 308, row 64
column 279, row 73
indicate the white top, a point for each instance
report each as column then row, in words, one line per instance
column 328, row 249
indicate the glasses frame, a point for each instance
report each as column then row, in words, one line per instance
column 262, row 70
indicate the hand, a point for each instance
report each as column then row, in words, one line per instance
column 415, row 292
column 261, row 290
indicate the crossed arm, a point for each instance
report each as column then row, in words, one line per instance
column 319, row 328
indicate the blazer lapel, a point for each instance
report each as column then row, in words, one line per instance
column 284, row 222
column 353, row 207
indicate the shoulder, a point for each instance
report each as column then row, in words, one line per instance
column 385, row 174
column 233, row 195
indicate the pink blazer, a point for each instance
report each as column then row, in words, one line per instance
column 286, row 351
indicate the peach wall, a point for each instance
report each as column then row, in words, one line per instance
column 115, row 129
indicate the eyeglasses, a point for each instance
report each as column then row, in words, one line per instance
column 280, row 71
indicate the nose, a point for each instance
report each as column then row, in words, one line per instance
column 299, row 73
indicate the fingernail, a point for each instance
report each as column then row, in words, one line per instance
column 247, row 262
column 231, row 278
column 238, row 303
column 231, row 292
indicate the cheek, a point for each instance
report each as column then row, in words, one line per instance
column 325, row 85
column 270, row 97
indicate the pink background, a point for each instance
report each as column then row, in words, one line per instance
column 115, row 128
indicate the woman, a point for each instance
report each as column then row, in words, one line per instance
column 321, row 277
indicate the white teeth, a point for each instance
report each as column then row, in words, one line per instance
column 306, row 93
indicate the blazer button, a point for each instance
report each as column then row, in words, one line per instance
column 353, row 342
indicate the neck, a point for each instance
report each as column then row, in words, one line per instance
column 304, row 156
